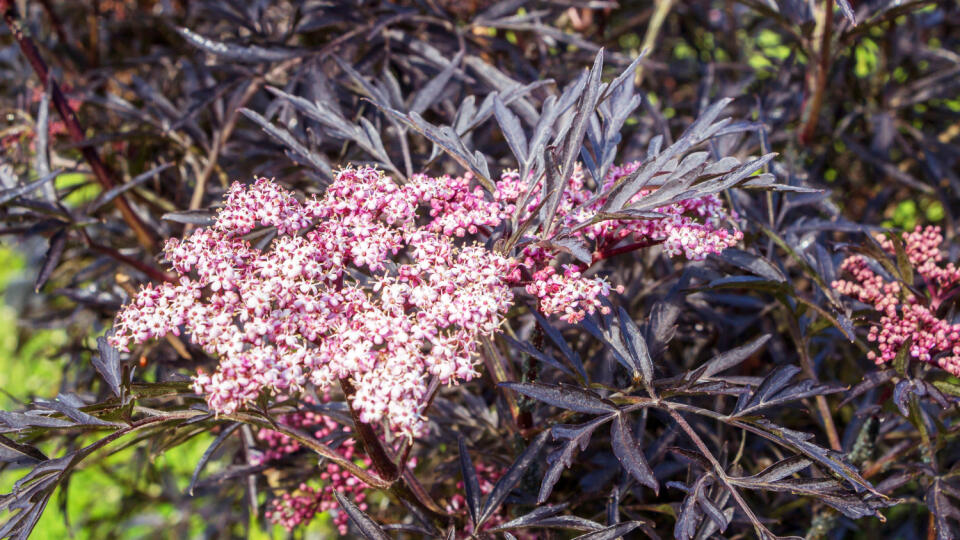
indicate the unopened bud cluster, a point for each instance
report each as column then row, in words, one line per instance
column 909, row 315
column 298, row 507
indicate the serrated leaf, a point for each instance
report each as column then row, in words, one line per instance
column 782, row 469
column 428, row 94
column 567, row 397
column 510, row 478
column 630, row 455
column 22, row 449
column 752, row 262
column 107, row 363
column 240, row 53
column 546, row 517
column 471, row 485
column 800, row 441
column 577, row 437
column 58, row 243
column 712, row 511
column 775, row 389
column 368, row 527
column 511, row 128
column 637, row 347
column 557, row 338
column 733, row 357
column 530, row 350
column 72, row 412
column 574, row 246
column 19, row 421
column 747, row 282
column 690, row 513
column 614, row 531
column 317, row 161
column 870, row 381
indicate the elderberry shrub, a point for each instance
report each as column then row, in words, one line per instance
column 488, row 269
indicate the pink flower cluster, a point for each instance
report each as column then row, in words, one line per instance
column 293, row 509
column 358, row 285
column 301, row 311
column 693, row 228
column 908, row 316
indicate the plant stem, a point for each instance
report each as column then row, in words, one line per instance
column 822, row 69
column 807, row 364
column 660, row 11
column 762, row 532
column 382, row 462
column 407, row 489
column 613, row 252
column 153, row 273
column 104, row 175
column 223, row 135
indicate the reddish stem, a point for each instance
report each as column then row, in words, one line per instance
column 382, row 462
column 154, row 273
column 402, row 482
column 606, row 253
column 100, row 170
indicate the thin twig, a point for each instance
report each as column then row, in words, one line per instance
column 660, row 11
column 104, row 175
column 154, row 273
column 806, row 363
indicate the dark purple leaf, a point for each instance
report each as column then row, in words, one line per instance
column 510, row 478
column 19, row 421
column 239, row 53
column 223, row 436
column 611, row 532
column 107, row 363
column 201, row 218
column 58, row 243
column 368, row 527
column 511, row 128
column 566, row 397
column 471, row 485
column 546, row 517
column 642, row 364
column 751, row 262
column 24, row 450
column 110, row 195
column 427, row 96
column 10, row 194
column 630, row 455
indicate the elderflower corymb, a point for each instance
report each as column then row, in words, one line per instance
column 375, row 282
